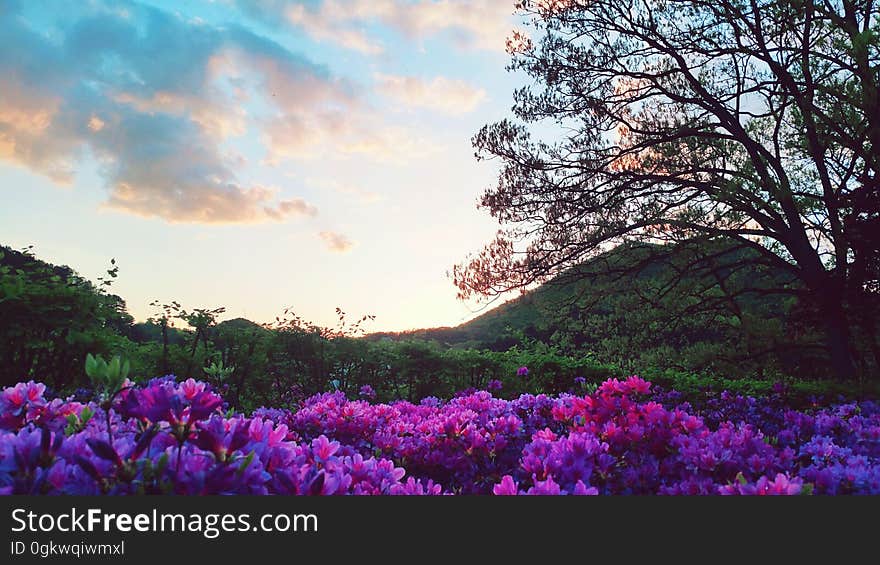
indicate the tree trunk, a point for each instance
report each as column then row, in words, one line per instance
column 192, row 353
column 828, row 290
column 839, row 338
column 870, row 329
column 164, row 348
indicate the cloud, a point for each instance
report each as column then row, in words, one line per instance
column 332, row 23
column 390, row 144
column 441, row 94
column 479, row 24
column 336, row 242
column 96, row 124
column 153, row 97
column 162, row 166
column 294, row 206
column 340, row 134
column 358, row 193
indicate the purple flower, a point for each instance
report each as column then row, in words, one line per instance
column 625, row 438
column 494, row 385
column 414, row 487
column 222, row 437
column 522, row 371
column 367, row 392
column 163, row 400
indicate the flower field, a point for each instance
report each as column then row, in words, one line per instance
column 165, row 437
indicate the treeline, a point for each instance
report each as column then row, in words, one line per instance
column 570, row 335
column 52, row 319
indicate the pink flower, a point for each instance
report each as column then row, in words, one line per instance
column 580, row 489
column 507, row 487
column 781, row 485
column 324, row 448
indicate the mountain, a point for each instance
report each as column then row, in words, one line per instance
column 717, row 302
column 240, row 325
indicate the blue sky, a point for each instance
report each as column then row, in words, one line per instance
column 255, row 154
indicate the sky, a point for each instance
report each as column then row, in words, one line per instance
column 255, row 154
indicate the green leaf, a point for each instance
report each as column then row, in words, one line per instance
column 161, row 464
column 245, row 463
column 113, row 368
column 91, row 365
column 114, row 383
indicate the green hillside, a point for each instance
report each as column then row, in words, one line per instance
column 716, row 308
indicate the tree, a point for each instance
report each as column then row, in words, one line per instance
column 757, row 121
column 51, row 318
column 201, row 320
column 163, row 319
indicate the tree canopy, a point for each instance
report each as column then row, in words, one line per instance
column 657, row 121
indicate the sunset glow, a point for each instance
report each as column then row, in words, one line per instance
column 255, row 155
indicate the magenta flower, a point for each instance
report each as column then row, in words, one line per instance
column 781, row 485
column 23, row 393
column 507, row 487
column 324, row 448
column 412, row 487
column 580, row 489
column 522, row 371
column 17, row 401
column 164, row 400
column 545, row 488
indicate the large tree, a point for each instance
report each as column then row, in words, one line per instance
column 757, row 121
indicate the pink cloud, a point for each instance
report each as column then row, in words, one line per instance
column 327, row 24
column 356, row 192
column 336, row 242
column 27, row 113
column 481, row 24
column 441, row 94
column 359, row 132
column 207, row 204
